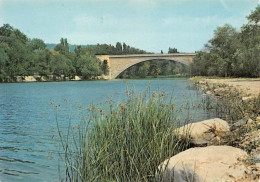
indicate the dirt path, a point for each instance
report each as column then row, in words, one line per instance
column 249, row 86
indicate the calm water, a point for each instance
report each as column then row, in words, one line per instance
column 27, row 119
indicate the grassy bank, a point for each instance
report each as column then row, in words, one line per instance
column 125, row 142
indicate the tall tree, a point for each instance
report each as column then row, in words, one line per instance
column 172, row 50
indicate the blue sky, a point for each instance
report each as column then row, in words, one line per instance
column 152, row 25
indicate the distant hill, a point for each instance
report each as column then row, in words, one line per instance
column 72, row 46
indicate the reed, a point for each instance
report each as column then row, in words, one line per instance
column 127, row 141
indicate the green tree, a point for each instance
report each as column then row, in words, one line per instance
column 37, row 44
column 119, row 48
column 105, row 67
column 63, row 46
column 6, row 30
column 172, row 50
column 90, row 68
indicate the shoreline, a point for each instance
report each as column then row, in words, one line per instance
column 36, row 79
column 244, row 134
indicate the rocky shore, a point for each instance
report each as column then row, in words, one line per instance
column 222, row 150
column 51, row 78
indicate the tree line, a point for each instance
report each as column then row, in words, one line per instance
column 21, row 56
column 232, row 53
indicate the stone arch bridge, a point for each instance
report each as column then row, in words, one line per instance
column 118, row 63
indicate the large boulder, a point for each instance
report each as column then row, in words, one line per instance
column 205, row 132
column 207, row 164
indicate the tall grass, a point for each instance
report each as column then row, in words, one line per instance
column 125, row 142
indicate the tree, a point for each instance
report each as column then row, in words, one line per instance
column 90, row 68
column 105, row 67
column 219, row 57
column 37, row 44
column 119, row 48
column 161, row 52
column 3, row 60
column 248, row 56
column 6, row 30
column 125, row 50
column 174, row 50
column 143, row 70
column 63, row 46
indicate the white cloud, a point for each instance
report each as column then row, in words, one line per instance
column 223, row 3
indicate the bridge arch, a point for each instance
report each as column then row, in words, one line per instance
column 175, row 60
column 118, row 63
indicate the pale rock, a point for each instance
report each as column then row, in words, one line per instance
column 77, row 78
column 19, row 79
column 202, row 133
column 247, row 98
column 208, row 92
column 205, row 164
column 250, row 121
column 239, row 123
column 29, row 79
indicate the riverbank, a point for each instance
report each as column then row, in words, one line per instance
column 239, row 100
column 50, row 78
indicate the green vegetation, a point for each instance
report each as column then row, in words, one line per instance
column 156, row 68
column 126, row 142
column 21, row 56
column 231, row 53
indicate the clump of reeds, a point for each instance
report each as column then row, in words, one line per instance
column 125, row 142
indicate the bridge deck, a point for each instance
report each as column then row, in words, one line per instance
column 151, row 55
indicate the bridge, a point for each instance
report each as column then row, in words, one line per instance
column 119, row 63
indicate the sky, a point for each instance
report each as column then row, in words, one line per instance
column 151, row 25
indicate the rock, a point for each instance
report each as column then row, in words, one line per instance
column 239, row 123
column 257, row 158
column 247, row 98
column 202, row 82
column 219, row 91
column 29, row 79
column 213, row 163
column 250, row 121
column 208, row 92
column 19, row 79
column 77, row 78
column 202, row 133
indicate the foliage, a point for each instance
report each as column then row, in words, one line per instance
column 155, row 68
column 172, row 50
column 126, row 142
column 20, row 56
column 232, row 53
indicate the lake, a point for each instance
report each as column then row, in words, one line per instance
column 28, row 149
